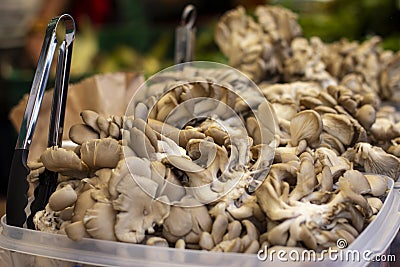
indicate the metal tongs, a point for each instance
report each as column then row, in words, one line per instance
column 18, row 185
column 185, row 36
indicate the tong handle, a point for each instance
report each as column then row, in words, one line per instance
column 18, row 184
column 17, row 198
column 185, row 36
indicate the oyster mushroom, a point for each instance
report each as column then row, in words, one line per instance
column 76, row 231
column 219, row 227
column 35, row 169
column 234, row 230
column 294, row 219
column 375, row 203
column 337, row 164
column 180, row 244
column 226, row 237
column 89, row 117
column 62, row 198
column 333, row 143
column 187, row 221
column 101, row 153
column 394, row 148
column 235, row 32
column 83, row 202
column 201, row 179
column 306, row 178
column 306, row 125
column 312, row 194
column 338, row 126
column 378, row 184
column 99, row 221
column 64, row 161
column 374, row 159
column 168, row 182
column 389, row 78
column 351, row 188
column 138, row 211
column 98, row 126
column 366, row 115
column 140, row 144
column 180, row 137
column 385, row 129
column 80, row 133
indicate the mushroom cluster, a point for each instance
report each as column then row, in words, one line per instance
column 201, row 161
column 270, row 48
column 148, row 181
column 258, row 48
column 333, row 128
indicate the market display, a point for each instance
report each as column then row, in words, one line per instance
column 319, row 154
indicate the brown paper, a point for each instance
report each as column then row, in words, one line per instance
column 107, row 94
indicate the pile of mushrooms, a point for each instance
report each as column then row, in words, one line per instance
column 318, row 154
column 147, row 181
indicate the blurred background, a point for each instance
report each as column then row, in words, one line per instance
column 124, row 35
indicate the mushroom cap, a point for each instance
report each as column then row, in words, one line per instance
column 339, row 126
column 350, row 192
column 375, row 203
column 178, row 224
column 99, row 221
column 219, row 228
column 332, row 142
column 80, row 133
column 187, row 220
column 89, row 117
column 101, row 153
column 76, row 231
column 358, row 182
column 62, row 198
column 64, row 161
column 378, row 184
column 376, row 160
column 141, row 144
column 138, row 211
column 285, row 111
column 306, row 178
column 82, row 204
column 206, row 241
column 146, row 129
column 366, row 115
column 306, row 125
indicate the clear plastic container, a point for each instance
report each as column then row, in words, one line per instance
column 22, row 247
